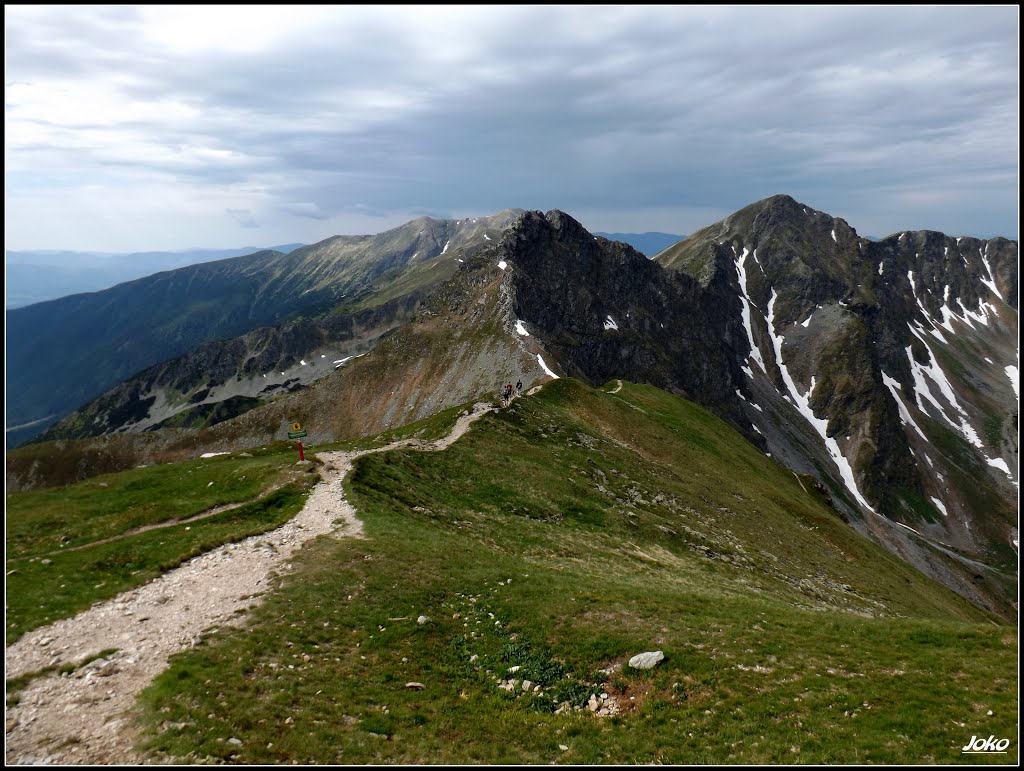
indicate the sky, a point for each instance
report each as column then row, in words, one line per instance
column 170, row 127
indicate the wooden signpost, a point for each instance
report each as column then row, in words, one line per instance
column 297, row 432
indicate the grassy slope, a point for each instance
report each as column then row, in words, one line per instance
column 564, row 535
column 58, row 563
column 68, row 525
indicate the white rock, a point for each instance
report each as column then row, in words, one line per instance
column 422, row 619
column 647, row 660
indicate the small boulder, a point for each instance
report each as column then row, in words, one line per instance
column 422, row 620
column 647, row 660
column 415, row 686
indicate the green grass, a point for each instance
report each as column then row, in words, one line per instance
column 58, row 564
column 564, row 535
column 428, row 429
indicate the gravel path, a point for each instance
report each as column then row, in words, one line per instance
column 85, row 717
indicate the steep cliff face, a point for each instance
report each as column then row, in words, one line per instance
column 888, row 370
column 603, row 310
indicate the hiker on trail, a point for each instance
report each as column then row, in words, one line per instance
column 519, row 388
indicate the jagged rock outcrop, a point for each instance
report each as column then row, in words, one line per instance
column 603, row 310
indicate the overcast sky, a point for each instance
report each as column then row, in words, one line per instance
column 172, row 127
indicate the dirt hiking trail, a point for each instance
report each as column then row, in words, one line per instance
column 85, row 717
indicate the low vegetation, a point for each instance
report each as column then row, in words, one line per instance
column 555, row 540
column 69, row 547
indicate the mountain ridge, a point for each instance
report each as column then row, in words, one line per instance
column 38, row 275
column 810, row 341
column 64, row 352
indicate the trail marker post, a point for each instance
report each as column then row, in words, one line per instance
column 297, row 432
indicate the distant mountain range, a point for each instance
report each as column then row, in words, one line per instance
column 37, row 275
column 886, row 371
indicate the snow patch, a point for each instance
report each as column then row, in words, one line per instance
column 1011, row 372
column 991, row 281
column 741, row 273
column 503, row 265
column 1000, row 464
column 905, row 417
column 339, row 362
column 922, row 390
column 545, row 367
column 802, row 402
column 446, row 245
column 609, row 323
column 748, row 370
column 302, row 362
column 880, row 266
column 486, row 237
column 908, row 527
column 521, row 328
column 981, row 316
column 213, row 454
column 940, row 506
column 834, row 235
